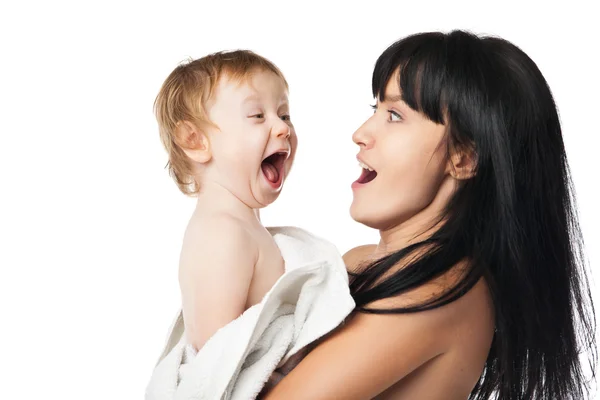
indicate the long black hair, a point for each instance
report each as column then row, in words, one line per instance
column 514, row 221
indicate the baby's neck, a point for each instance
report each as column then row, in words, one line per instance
column 214, row 198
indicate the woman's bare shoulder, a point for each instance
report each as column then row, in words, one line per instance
column 388, row 348
column 357, row 255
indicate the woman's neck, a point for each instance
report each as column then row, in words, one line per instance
column 420, row 226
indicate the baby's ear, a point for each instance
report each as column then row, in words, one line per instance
column 463, row 162
column 193, row 141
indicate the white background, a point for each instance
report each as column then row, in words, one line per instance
column 90, row 222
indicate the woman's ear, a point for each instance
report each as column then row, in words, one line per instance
column 462, row 163
column 194, row 142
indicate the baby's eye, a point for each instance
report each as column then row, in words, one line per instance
column 260, row 116
column 285, row 117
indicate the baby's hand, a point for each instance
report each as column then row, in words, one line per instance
column 293, row 361
column 281, row 372
column 273, row 380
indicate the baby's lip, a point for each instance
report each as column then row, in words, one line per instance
column 284, row 151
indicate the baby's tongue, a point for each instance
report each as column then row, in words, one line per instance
column 270, row 172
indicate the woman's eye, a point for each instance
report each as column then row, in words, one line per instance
column 394, row 116
column 285, row 117
column 260, row 116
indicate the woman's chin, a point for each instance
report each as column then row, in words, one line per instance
column 364, row 216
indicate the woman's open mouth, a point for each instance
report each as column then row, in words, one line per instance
column 367, row 175
column 272, row 168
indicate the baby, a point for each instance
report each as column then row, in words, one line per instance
column 225, row 123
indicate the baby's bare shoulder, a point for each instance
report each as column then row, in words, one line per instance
column 217, row 238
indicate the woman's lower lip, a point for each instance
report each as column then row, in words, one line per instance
column 356, row 184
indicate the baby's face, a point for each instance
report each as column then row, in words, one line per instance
column 254, row 148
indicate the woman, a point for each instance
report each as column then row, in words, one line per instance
column 477, row 287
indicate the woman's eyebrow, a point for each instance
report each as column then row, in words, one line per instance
column 392, row 99
column 396, row 99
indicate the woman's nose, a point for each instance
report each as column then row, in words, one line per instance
column 362, row 136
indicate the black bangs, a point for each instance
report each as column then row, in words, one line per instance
column 422, row 61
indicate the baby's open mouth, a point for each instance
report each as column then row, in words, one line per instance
column 272, row 167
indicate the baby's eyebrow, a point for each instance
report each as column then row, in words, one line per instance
column 252, row 97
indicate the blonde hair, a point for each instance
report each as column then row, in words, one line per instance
column 183, row 97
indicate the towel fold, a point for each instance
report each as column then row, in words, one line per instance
column 310, row 300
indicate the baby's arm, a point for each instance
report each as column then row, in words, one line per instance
column 216, row 268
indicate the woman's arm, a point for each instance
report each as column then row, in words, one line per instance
column 365, row 356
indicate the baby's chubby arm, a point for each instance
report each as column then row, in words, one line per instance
column 216, row 267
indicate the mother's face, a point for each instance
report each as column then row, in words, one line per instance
column 408, row 156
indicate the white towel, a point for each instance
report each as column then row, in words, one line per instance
column 310, row 300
